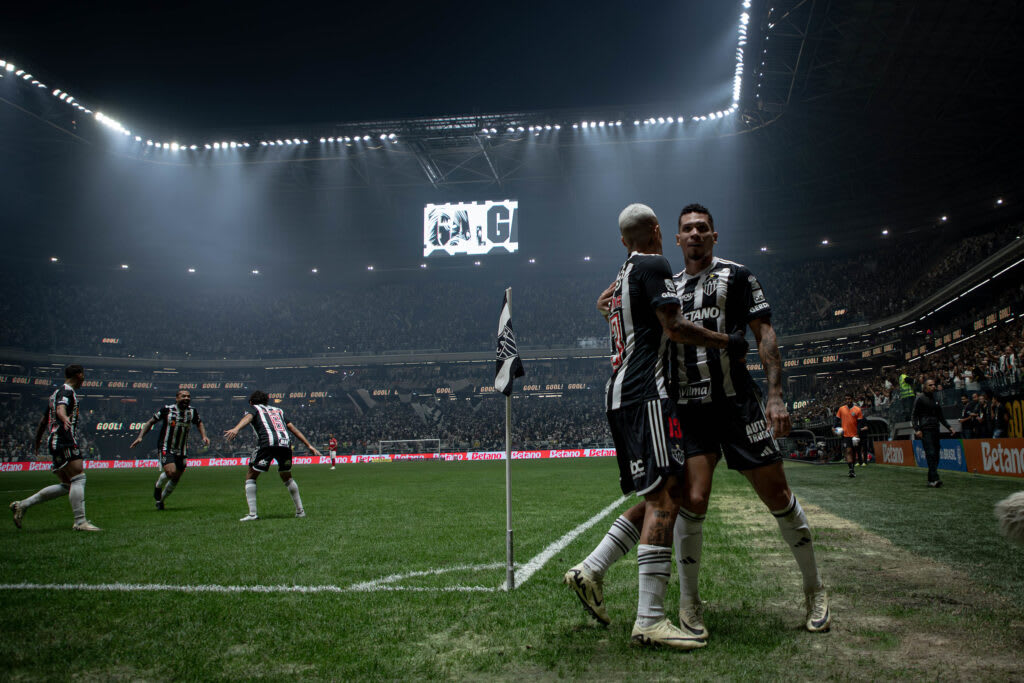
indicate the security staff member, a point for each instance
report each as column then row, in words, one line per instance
column 926, row 418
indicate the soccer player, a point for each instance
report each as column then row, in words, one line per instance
column 272, row 431
column 850, row 421
column 177, row 418
column 720, row 408
column 644, row 314
column 60, row 423
column 332, row 447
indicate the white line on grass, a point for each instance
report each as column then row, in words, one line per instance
column 530, row 568
column 384, row 584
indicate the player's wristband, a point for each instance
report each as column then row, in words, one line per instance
column 737, row 345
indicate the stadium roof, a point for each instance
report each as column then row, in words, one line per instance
column 863, row 115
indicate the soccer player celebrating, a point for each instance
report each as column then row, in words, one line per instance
column 60, row 423
column 849, row 423
column 177, row 418
column 643, row 315
column 272, row 431
column 720, row 408
column 332, row 447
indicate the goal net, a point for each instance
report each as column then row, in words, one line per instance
column 412, row 446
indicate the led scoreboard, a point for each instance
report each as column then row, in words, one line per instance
column 472, row 229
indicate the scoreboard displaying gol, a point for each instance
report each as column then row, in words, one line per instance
column 471, row 229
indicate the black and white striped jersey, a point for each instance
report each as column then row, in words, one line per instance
column 723, row 297
column 270, row 425
column 640, row 351
column 175, row 428
column 57, row 435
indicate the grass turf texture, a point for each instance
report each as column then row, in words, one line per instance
column 923, row 586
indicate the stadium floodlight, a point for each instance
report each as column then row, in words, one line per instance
column 174, row 146
column 315, row 270
column 586, row 258
column 533, row 260
column 944, row 219
column 885, row 231
column 423, row 265
column 636, row 122
column 576, row 125
column 194, row 147
column 207, row 145
column 764, row 248
column 18, row 72
column 53, row 259
column 825, row 242
column 9, row 67
column 255, row 272
column 138, row 138
column 348, row 139
column 305, row 141
column 191, row 270
column 149, row 143
column 366, row 138
column 558, row 127
column 279, row 142
column 476, row 263
column 323, row 139
column 383, row 136
column 216, row 145
column 124, row 266
column 999, row 202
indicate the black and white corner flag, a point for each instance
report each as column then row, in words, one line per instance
column 508, row 366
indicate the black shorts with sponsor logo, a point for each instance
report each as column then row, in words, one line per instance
column 735, row 426
column 261, row 460
column 179, row 461
column 62, row 455
column 648, row 444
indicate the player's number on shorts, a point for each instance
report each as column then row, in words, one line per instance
column 615, row 321
column 675, row 431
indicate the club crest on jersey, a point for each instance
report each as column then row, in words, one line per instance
column 711, row 285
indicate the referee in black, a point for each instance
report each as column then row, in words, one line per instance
column 926, row 418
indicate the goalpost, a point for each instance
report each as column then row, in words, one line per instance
column 411, row 446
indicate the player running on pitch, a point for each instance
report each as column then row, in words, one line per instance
column 644, row 315
column 272, row 432
column 60, row 424
column 720, row 408
column 177, row 418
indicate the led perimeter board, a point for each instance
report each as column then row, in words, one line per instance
column 471, row 228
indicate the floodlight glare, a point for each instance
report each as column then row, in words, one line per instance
column 369, row 267
column 764, row 248
column 825, row 242
column 9, row 67
column 316, row 270
column 476, row 263
column 255, row 272
column 586, row 258
column 885, row 231
column 945, row 218
column 323, row 139
column 53, row 259
column 636, row 122
column 533, row 260
column 999, row 202
column 191, row 270
column 423, row 265
column 366, row 138
column 124, row 266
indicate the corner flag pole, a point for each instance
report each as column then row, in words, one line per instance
column 508, row 367
column 510, row 574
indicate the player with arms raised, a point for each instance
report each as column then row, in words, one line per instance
column 60, row 424
column 273, row 432
column 177, row 419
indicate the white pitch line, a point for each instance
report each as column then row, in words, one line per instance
column 383, row 584
column 530, row 568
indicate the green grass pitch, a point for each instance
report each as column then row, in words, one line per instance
column 923, row 586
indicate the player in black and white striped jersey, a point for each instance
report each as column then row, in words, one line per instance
column 644, row 314
column 273, row 434
column 177, row 419
column 60, row 426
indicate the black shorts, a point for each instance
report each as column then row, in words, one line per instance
column 735, row 426
column 62, row 455
column 848, row 443
column 261, row 460
column 648, row 444
column 179, row 461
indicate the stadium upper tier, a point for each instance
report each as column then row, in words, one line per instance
column 74, row 313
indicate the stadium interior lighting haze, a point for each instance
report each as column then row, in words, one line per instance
column 62, row 95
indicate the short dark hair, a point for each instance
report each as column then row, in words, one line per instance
column 72, row 370
column 259, row 398
column 697, row 208
column 178, row 392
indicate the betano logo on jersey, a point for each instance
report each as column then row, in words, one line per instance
column 700, row 314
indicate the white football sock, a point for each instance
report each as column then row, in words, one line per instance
column 250, row 495
column 43, row 495
column 619, row 540
column 293, row 488
column 689, row 541
column 797, row 533
column 77, row 496
column 162, row 480
column 168, row 490
column 655, row 565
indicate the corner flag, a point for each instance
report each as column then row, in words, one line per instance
column 509, row 366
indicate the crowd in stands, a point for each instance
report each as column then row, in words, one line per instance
column 440, row 314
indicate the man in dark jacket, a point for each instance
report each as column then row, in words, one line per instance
column 926, row 418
